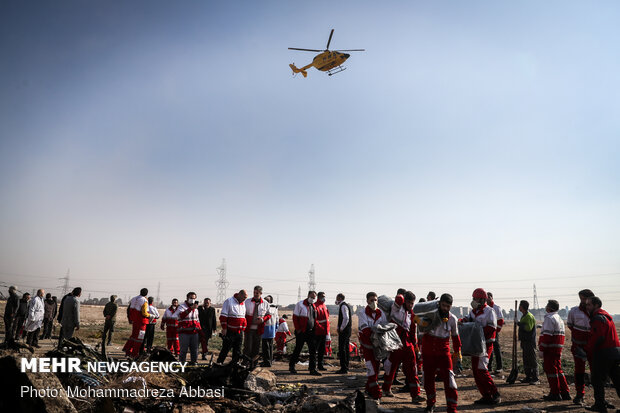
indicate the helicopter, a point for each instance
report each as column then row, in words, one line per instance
column 329, row 61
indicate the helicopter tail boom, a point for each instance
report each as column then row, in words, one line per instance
column 296, row 70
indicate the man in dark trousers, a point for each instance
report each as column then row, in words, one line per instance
column 10, row 311
column 61, row 310
column 344, row 333
column 21, row 316
column 208, row 324
column 51, row 308
column 109, row 312
column 603, row 351
column 304, row 317
column 527, row 337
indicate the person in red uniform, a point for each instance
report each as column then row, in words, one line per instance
column 484, row 315
column 402, row 315
column 369, row 318
column 281, row 332
column 171, row 324
column 321, row 329
column 603, row 350
column 436, row 354
column 579, row 324
column 138, row 316
column 551, row 342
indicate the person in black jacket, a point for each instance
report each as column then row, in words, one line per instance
column 21, row 316
column 344, row 333
column 10, row 311
column 208, row 323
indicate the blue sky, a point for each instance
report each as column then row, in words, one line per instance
column 144, row 142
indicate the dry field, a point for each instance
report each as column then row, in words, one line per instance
column 333, row 386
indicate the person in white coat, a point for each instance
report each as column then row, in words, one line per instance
column 36, row 311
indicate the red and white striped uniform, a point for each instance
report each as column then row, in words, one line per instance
column 321, row 324
column 263, row 312
column 551, row 342
column 188, row 319
column 139, row 317
column 436, row 356
column 406, row 330
column 281, row 332
column 485, row 316
column 300, row 315
column 232, row 316
column 579, row 324
column 172, row 334
column 367, row 320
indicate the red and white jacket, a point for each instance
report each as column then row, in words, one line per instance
column 551, row 338
column 138, row 309
column 232, row 316
column 579, row 324
column 300, row 315
column 498, row 315
column 437, row 341
column 154, row 314
column 188, row 319
column 367, row 319
column 263, row 312
column 485, row 316
column 321, row 323
column 169, row 319
column 282, row 327
column 405, row 328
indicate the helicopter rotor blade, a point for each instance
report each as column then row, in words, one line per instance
column 330, row 39
column 305, row 50
column 351, row 50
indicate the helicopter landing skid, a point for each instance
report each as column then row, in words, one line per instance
column 336, row 70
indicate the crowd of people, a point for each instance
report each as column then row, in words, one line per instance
column 254, row 324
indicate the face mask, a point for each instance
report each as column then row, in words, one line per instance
column 322, row 300
column 338, row 302
column 373, row 305
column 190, row 301
column 474, row 304
column 310, row 300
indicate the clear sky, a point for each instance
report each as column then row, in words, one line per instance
column 473, row 144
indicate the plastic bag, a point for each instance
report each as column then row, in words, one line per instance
column 384, row 340
column 473, row 342
column 427, row 314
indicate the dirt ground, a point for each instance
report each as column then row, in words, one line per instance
column 333, row 386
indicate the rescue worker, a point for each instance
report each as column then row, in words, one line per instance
column 578, row 323
column 149, row 332
column 36, row 312
column 281, row 332
column 10, row 311
column 188, row 328
column 138, row 316
column 497, row 352
column 328, row 345
column 208, row 325
column 233, row 322
column 550, row 344
column 304, row 316
column 321, row 329
column 269, row 333
column 344, row 333
column 256, row 314
column 603, row 351
column 50, row 310
column 368, row 319
column 402, row 315
column 171, row 324
column 436, row 355
column 484, row 315
column 527, row 337
column 109, row 312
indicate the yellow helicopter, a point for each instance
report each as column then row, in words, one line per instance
column 329, row 61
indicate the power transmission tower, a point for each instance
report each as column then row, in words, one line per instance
column 299, row 293
column 221, row 282
column 311, row 283
column 65, row 286
column 158, row 288
column 535, row 302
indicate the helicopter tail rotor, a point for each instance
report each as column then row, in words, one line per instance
column 296, row 70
